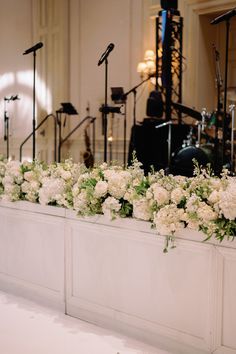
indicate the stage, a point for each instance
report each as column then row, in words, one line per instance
column 115, row 274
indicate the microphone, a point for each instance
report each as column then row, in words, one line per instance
column 34, row 48
column 15, row 97
column 226, row 16
column 12, row 98
column 106, row 53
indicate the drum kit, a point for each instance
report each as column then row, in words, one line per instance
column 205, row 139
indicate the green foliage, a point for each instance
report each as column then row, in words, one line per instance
column 126, row 209
column 142, row 187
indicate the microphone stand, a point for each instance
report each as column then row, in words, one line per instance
column 226, row 17
column 134, row 91
column 105, row 112
column 125, row 127
column 105, row 109
column 33, row 49
column 219, row 85
column 34, row 120
column 224, row 125
column 58, row 119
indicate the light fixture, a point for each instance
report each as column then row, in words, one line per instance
column 148, row 66
column 149, row 55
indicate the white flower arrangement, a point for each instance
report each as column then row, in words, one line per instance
column 204, row 202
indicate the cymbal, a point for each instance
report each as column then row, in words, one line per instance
column 231, row 93
column 187, row 110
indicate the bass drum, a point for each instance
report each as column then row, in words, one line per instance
column 182, row 163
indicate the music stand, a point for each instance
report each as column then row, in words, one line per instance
column 66, row 108
column 117, row 95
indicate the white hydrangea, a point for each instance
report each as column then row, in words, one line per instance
column 206, row 213
column 29, row 176
column 177, row 195
column 11, row 192
column 7, row 179
column 31, row 190
column 110, row 206
column 214, row 197
column 80, row 202
column 51, row 190
column 168, row 219
column 2, row 168
column 118, row 183
column 227, row 202
column 130, row 195
column 216, row 183
column 13, row 169
column 142, row 209
column 193, row 224
column 160, row 194
column 192, row 204
column 66, row 175
column 101, row 189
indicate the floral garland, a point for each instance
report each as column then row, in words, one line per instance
column 203, row 202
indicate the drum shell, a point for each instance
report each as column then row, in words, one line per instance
column 182, row 163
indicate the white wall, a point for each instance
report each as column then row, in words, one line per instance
column 16, row 70
column 93, row 25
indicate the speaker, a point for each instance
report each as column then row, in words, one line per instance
column 154, row 105
column 169, row 4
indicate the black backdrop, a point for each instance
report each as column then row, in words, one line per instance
column 151, row 145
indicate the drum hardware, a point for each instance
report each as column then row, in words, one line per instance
column 169, row 123
column 189, row 141
column 201, row 126
column 202, row 152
